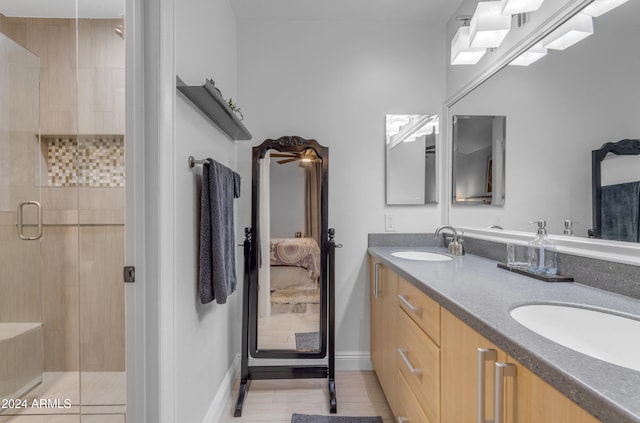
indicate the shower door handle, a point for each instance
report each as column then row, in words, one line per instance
column 21, row 234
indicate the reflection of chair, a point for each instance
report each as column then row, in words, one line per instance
column 616, row 207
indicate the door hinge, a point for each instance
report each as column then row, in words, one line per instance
column 129, row 274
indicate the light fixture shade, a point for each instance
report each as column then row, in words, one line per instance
column 600, row 7
column 575, row 29
column 534, row 54
column 461, row 52
column 514, row 7
column 488, row 25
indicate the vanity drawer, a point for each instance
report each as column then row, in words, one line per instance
column 409, row 410
column 422, row 309
column 419, row 363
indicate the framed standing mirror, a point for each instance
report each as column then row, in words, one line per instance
column 289, row 260
column 410, row 146
column 289, row 217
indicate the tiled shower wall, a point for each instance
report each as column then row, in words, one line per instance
column 93, row 162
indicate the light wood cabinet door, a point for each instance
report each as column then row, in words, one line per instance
column 384, row 310
column 529, row 399
column 461, row 373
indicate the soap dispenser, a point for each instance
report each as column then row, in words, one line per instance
column 542, row 252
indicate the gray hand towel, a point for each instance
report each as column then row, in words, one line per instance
column 220, row 185
column 621, row 212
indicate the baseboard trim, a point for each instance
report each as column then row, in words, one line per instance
column 353, row 361
column 219, row 403
column 345, row 361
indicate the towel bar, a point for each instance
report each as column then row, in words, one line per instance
column 193, row 161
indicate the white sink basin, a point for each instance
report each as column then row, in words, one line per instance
column 608, row 337
column 421, row 256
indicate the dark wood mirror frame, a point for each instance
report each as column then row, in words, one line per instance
column 626, row 147
column 252, row 258
column 287, row 145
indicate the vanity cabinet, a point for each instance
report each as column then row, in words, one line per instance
column 469, row 377
column 384, row 285
column 434, row 368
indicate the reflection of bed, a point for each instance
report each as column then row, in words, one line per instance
column 295, row 263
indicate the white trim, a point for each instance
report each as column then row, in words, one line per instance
column 615, row 251
column 164, row 172
column 134, row 228
column 353, row 361
column 225, row 391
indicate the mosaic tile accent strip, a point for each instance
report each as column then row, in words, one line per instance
column 94, row 162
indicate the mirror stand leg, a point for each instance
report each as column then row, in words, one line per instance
column 242, row 392
column 333, row 404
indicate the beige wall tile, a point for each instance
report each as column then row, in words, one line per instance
column 102, row 298
column 20, row 278
column 59, row 265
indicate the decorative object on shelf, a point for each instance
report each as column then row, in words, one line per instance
column 209, row 100
column 235, row 108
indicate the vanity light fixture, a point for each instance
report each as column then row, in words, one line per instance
column 489, row 26
column 515, row 7
column 461, row 52
column 575, row 29
column 600, row 7
column 534, row 54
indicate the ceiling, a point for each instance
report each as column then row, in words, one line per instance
column 63, row 8
column 376, row 10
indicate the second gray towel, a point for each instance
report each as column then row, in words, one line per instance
column 220, row 185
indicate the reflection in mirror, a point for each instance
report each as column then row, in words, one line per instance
column 411, row 158
column 559, row 109
column 290, row 226
column 478, row 159
column 616, row 191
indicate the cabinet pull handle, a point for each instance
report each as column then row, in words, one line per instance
column 403, row 419
column 484, row 354
column 376, row 280
column 412, row 370
column 21, row 234
column 502, row 370
column 414, row 309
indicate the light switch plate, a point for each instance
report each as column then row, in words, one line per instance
column 390, row 222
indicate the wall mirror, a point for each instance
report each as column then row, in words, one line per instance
column 289, row 217
column 478, row 159
column 410, row 145
column 558, row 110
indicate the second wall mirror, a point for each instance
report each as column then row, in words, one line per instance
column 411, row 159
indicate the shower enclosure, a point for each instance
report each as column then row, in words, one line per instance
column 62, row 229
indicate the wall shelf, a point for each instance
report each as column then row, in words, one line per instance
column 208, row 99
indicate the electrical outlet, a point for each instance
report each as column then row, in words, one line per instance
column 390, row 222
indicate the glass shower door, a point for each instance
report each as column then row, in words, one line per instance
column 21, row 230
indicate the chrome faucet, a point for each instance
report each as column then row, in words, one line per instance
column 455, row 246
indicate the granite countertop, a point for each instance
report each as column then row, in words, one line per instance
column 476, row 291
